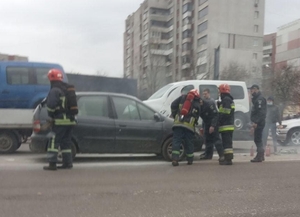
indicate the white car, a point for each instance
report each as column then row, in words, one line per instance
column 290, row 133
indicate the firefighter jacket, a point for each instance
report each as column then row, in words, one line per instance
column 226, row 113
column 273, row 114
column 209, row 113
column 191, row 119
column 56, row 105
column 259, row 109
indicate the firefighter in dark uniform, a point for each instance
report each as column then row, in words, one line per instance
column 184, row 125
column 258, row 117
column 209, row 115
column 62, row 122
column 226, row 122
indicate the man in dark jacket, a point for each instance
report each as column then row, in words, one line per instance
column 258, row 117
column 226, row 122
column 209, row 115
column 185, row 119
column 273, row 117
column 62, row 122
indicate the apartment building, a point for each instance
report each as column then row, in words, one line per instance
column 288, row 45
column 269, row 51
column 173, row 40
column 7, row 57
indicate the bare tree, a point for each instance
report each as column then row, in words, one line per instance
column 234, row 72
column 102, row 73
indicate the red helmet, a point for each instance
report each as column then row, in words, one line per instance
column 55, row 75
column 195, row 92
column 224, row 88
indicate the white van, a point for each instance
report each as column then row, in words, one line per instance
column 161, row 100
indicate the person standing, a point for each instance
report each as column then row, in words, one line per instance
column 258, row 116
column 273, row 117
column 185, row 110
column 226, row 122
column 62, row 121
column 209, row 115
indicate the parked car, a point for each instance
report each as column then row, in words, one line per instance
column 23, row 85
column 113, row 123
column 162, row 99
column 290, row 133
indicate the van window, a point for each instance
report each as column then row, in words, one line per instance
column 41, row 76
column 18, row 75
column 158, row 94
column 237, row 92
column 214, row 92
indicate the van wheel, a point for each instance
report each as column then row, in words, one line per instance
column 8, row 142
column 167, row 150
column 59, row 155
column 239, row 121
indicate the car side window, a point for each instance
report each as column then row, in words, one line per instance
column 145, row 113
column 126, row 109
column 93, row 106
column 214, row 92
column 237, row 92
column 18, row 75
column 41, row 76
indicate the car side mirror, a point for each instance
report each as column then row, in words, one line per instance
column 157, row 117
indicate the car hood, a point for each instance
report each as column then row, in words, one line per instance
column 292, row 121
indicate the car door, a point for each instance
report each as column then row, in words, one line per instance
column 18, row 87
column 95, row 130
column 136, row 129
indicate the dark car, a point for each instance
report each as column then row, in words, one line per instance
column 113, row 123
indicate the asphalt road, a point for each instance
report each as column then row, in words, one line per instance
column 147, row 186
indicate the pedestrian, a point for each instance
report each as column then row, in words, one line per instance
column 273, row 117
column 206, row 97
column 210, row 116
column 258, row 116
column 226, row 122
column 186, row 111
column 63, row 122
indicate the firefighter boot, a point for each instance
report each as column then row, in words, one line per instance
column 65, row 166
column 227, row 160
column 52, row 166
column 175, row 163
column 258, row 158
column 190, row 161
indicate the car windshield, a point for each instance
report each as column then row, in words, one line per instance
column 158, row 94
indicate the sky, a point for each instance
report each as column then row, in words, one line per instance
column 86, row 36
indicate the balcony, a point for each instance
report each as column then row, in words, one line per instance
column 185, row 66
column 186, row 52
column 187, row 14
column 186, row 26
column 161, row 52
column 160, row 17
column 188, row 39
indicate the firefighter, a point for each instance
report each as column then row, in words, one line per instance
column 185, row 110
column 258, row 116
column 62, row 122
column 226, row 122
column 209, row 115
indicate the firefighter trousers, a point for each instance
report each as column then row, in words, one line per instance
column 62, row 135
column 183, row 136
column 227, row 144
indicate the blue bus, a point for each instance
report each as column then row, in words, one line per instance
column 24, row 84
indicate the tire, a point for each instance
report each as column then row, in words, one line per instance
column 9, row 142
column 294, row 137
column 74, row 151
column 167, row 150
column 239, row 121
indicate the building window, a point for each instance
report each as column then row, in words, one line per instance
column 187, row 20
column 187, row 7
column 186, row 46
column 256, row 2
column 203, row 13
column 186, row 34
column 256, row 15
column 186, row 59
column 255, row 28
column 202, row 40
column 202, row 26
column 202, row 68
column 255, row 42
column 202, row 2
column 145, row 26
column 201, row 54
column 255, row 56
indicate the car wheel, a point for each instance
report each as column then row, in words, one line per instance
column 239, row 121
column 8, row 142
column 167, row 150
column 294, row 137
column 59, row 155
